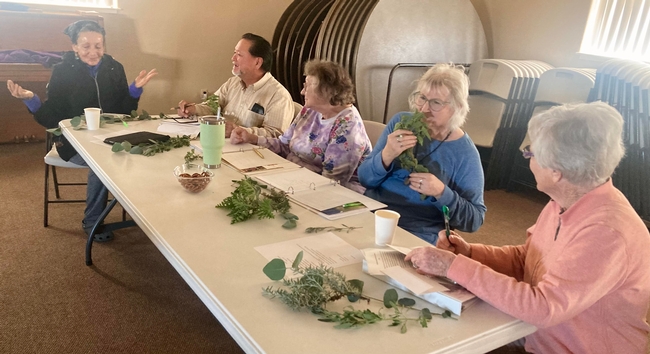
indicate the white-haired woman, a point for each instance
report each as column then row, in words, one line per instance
column 455, row 177
column 583, row 275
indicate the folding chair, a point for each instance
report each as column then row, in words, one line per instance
column 52, row 161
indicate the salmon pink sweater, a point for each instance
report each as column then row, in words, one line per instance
column 582, row 277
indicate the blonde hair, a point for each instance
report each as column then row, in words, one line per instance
column 452, row 77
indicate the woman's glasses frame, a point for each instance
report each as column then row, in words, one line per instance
column 435, row 105
column 526, row 152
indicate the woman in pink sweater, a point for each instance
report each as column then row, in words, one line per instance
column 583, row 275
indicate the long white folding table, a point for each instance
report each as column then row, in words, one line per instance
column 220, row 264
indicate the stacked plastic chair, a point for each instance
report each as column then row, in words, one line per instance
column 501, row 103
column 625, row 85
column 556, row 87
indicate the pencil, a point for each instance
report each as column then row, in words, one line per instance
column 257, row 151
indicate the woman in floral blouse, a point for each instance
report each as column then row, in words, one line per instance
column 328, row 136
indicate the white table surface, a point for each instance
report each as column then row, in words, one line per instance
column 219, row 263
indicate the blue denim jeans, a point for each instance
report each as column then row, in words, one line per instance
column 96, row 194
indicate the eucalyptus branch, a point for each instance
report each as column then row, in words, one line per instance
column 316, row 229
column 320, row 285
column 153, row 147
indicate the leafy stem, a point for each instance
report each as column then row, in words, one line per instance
column 316, row 229
column 250, row 198
column 413, row 122
column 213, row 102
column 320, row 285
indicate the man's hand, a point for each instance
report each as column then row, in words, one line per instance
column 18, row 91
column 185, row 109
column 144, row 77
column 230, row 126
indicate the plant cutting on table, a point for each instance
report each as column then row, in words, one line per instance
column 148, row 149
column 251, row 198
column 321, row 285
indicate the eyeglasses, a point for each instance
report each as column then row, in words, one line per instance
column 435, row 105
column 526, row 152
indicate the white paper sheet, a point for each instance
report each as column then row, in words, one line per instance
column 327, row 249
column 172, row 128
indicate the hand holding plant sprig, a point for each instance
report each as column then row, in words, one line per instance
column 413, row 122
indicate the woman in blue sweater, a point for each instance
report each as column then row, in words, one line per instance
column 455, row 177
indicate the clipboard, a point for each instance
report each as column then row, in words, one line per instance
column 137, row 138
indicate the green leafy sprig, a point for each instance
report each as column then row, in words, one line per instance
column 317, row 229
column 75, row 122
column 320, row 285
column 213, row 102
column 191, row 156
column 250, row 198
column 413, row 122
column 153, row 147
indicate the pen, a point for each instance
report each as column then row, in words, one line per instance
column 257, row 151
column 445, row 213
column 350, row 205
column 179, row 107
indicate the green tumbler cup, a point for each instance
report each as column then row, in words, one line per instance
column 213, row 137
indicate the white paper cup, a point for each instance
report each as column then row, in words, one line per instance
column 92, row 118
column 385, row 224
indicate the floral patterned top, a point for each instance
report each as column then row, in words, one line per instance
column 333, row 147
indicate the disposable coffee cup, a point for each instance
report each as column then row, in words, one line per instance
column 385, row 224
column 92, row 118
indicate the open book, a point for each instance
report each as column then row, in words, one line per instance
column 319, row 194
column 390, row 267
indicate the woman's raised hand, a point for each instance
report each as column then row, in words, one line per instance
column 18, row 91
column 144, row 77
column 396, row 142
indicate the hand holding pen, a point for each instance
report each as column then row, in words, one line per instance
column 185, row 109
column 459, row 245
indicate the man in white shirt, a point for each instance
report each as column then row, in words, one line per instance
column 253, row 98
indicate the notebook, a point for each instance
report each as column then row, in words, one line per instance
column 137, row 138
column 319, row 194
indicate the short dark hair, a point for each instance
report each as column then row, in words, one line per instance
column 260, row 48
column 77, row 27
column 333, row 81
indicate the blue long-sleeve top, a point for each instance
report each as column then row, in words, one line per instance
column 456, row 163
